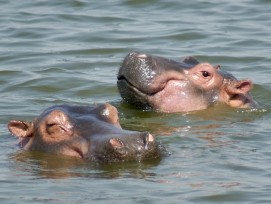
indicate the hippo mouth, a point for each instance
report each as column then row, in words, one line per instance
column 171, row 88
column 147, row 74
column 136, row 95
column 126, row 83
column 132, row 94
column 155, row 86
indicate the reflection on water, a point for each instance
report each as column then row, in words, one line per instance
column 45, row 165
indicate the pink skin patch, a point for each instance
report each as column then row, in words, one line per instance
column 176, row 97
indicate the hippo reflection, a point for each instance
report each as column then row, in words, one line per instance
column 92, row 133
column 155, row 82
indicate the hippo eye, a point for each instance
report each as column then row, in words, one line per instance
column 205, row 74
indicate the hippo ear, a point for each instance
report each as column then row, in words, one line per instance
column 240, row 87
column 192, row 61
column 21, row 128
column 238, row 94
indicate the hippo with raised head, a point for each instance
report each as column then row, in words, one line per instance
column 87, row 132
column 170, row 86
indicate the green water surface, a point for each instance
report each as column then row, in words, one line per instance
column 69, row 51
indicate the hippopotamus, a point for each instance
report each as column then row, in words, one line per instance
column 167, row 85
column 88, row 132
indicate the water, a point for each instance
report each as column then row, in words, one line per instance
column 55, row 52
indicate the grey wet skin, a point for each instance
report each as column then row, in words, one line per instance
column 88, row 132
column 149, row 81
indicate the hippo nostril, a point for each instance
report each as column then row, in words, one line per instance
column 118, row 147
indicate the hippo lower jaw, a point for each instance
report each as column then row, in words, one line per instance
column 131, row 94
column 135, row 96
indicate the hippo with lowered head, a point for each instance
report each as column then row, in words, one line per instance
column 170, row 86
column 86, row 132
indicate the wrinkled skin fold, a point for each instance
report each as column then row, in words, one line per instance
column 88, row 132
column 148, row 81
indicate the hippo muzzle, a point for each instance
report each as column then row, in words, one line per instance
column 146, row 73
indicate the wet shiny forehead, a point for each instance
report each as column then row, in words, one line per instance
column 81, row 110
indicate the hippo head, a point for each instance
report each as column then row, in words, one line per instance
column 170, row 86
column 86, row 132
